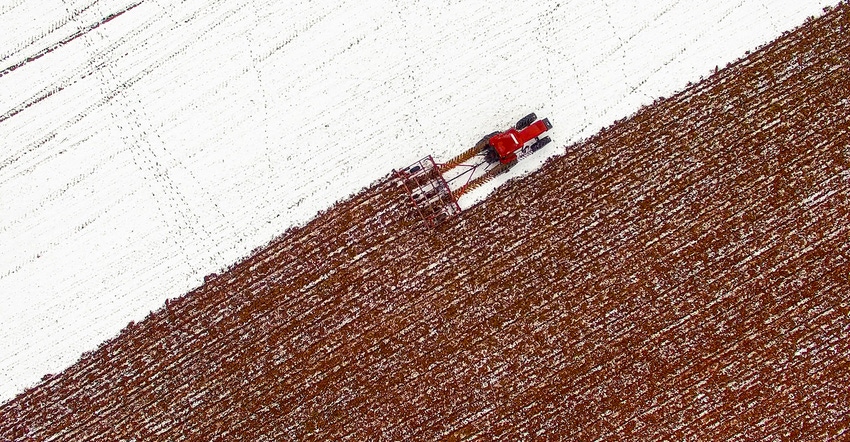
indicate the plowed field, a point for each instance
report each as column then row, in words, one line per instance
column 681, row 275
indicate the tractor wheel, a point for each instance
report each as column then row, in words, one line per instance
column 484, row 144
column 540, row 143
column 526, row 121
column 490, row 155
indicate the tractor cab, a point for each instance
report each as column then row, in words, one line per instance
column 506, row 144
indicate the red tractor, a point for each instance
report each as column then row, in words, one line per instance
column 504, row 146
column 433, row 188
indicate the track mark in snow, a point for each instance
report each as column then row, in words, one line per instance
column 75, row 230
column 72, row 15
column 770, row 17
column 292, row 37
column 627, row 40
column 78, row 179
column 684, row 49
column 126, row 39
column 151, row 165
column 32, row 102
column 11, row 6
column 63, row 42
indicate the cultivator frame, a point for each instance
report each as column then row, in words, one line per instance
column 427, row 191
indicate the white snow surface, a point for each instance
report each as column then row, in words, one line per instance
column 167, row 143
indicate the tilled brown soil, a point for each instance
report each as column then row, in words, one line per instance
column 681, row 275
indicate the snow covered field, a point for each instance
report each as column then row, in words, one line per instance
column 147, row 144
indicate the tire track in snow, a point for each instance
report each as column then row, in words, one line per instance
column 257, row 61
column 8, row 7
column 137, row 141
column 262, row 58
column 76, row 229
column 72, row 15
column 129, row 38
column 59, row 45
column 625, row 41
column 69, row 185
column 40, row 162
column 147, row 161
column 32, row 102
column 681, row 51
column 108, row 95
column 52, row 90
